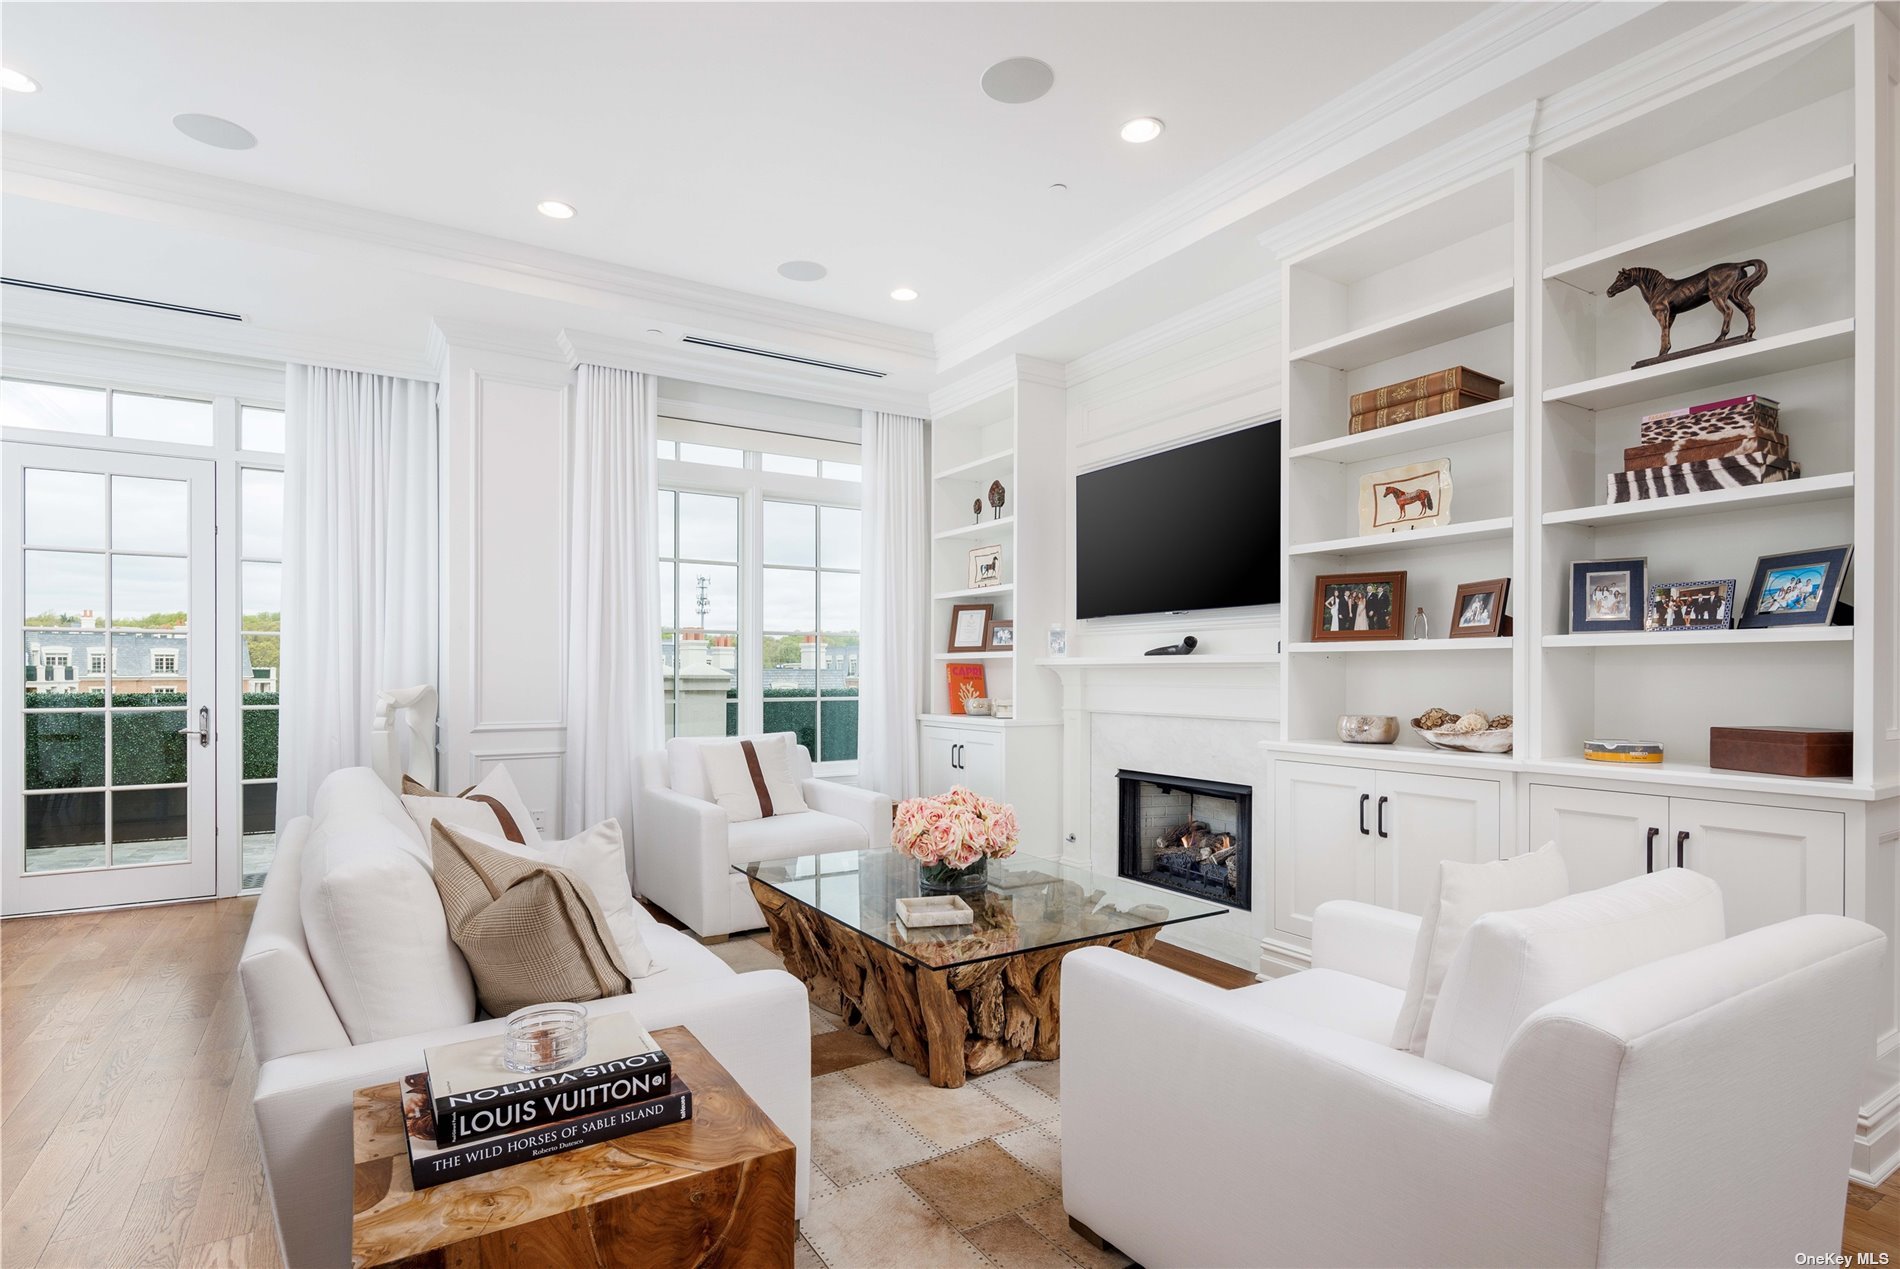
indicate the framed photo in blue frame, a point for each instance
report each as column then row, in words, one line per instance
column 1607, row 595
column 1797, row 588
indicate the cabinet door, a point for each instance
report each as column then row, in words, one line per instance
column 1419, row 820
column 1772, row 862
column 979, row 764
column 1319, row 850
column 1604, row 836
column 939, row 758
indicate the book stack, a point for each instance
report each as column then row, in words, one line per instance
column 468, row 1114
column 1717, row 445
column 1440, row 392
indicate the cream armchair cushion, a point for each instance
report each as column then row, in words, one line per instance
column 752, row 779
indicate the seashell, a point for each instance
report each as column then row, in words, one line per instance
column 1501, row 721
column 1434, row 718
column 1469, row 723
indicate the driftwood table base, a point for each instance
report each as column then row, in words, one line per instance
column 950, row 1023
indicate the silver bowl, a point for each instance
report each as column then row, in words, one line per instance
column 1368, row 729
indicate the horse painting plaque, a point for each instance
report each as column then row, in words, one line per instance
column 1417, row 496
column 1725, row 286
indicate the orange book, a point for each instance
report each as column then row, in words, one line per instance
column 966, row 681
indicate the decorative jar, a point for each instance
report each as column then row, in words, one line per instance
column 545, row 1038
column 942, row 878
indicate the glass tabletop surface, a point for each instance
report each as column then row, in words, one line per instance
column 1031, row 903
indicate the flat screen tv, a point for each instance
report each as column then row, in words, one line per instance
column 1190, row 528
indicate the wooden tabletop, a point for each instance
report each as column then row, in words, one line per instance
column 715, row 1189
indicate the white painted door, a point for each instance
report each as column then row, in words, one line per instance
column 1419, row 820
column 110, row 588
column 938, row 763
column 1605, row 836
column 1322, row 840
column 1772, row 862
column 979, row 764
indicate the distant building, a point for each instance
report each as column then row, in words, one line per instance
column 74, row 660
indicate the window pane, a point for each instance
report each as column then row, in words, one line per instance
column 150, row 515
column 53, row 407
column 668, row 593
column 65, row 830
column 260, row 745
column 843, row 471
column 149, row 667
column 147, row 749
column 262, row 663
column 702, row 679
column 148, row 826
column 793, row 716
column 669, row 450
column 667, row 511
column 263, row 513
column 709, row 527
column 840, row 729
column 161, row 419
column 65, row 589
column 58, row 665
column 841, row 537
column 788, row 465
column 839, row 592
column 713, row 455
column 718, row 585
column 791, row 530
column 261, row 429
column 262, row 604
column 790, row 600
column 150, row 591
column 65, row 508
column 260, row 832
column 65, row 750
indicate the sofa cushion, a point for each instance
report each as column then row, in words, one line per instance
column 687, row 774
column 1514, row 963
column 1465, row 893
column 374, row 925
column 752, row 779
column 689, row 963
column 784, row 836
column 1342, row 1002
column 493, row 805
column 359, row 789
column 532, row 932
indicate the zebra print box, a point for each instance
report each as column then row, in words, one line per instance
column 1737, row 471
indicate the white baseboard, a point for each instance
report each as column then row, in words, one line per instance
column 1278, row 958
column 1877, row 1129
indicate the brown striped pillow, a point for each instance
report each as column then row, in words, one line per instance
column 493, row 806
column 752, row 779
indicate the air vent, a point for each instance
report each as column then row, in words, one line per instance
column 780, row 356
column 122, row 299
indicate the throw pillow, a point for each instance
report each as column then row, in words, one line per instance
column 493, row 806
column 752, row 779
column 1514, row 963
column 1465, row 893
column 531, row 932
column 598, row 858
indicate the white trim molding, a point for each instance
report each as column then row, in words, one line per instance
column 665, row 355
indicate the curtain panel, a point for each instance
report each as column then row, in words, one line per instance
column 896, row 609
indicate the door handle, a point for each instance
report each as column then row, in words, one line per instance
column 956, row 757
column 1649, row 850
column 1363, row 799
column 1379, row 820
column 1682, row 839
column 203, row 730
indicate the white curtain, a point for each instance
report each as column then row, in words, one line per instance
column 359, row 576
column 896, row 608
column 614, row 670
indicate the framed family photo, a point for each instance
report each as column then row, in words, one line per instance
column 1607, row 595
column 1349, row 606
column 1706, row 605
column 1798, row 588
column 1000, row 635
column 1477, row 611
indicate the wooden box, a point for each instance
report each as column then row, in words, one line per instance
column 1788, row 751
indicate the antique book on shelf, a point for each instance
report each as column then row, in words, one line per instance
column 1422, row 407
column 1735, row 472
column 1669, row 453
column 474, row 1096
column 432, row 1163
column 1736, row 416
column 1454, row 379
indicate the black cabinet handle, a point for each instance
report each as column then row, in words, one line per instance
column 1682, row 840
column 1363, row 799
column 1381, row 818
column 956, row 757
column 1649, row 850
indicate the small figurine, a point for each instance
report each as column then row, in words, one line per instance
column 976, row 509
column 1421, row 628
column 1727, row 286
column 996, row 499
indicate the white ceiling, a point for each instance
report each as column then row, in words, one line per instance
column 705, row 141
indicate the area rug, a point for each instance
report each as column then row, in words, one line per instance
column 905, row 1174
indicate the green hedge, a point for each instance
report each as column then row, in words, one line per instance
column 67, row 750
column 788, row 710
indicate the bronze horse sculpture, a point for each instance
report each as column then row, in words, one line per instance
column 1726, row 286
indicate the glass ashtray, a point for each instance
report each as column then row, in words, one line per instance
column 545, row 1038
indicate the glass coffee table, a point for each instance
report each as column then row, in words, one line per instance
column 953, row 1001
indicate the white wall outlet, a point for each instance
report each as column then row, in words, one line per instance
column 540, row 819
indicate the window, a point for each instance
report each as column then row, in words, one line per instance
column 58, row 407
column 95, row 663
column 164, row 663
column 810, row 650
column 56, row 659
column 260, row 640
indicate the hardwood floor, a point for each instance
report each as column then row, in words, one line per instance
column 125, row 1084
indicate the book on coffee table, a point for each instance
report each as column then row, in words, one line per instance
column 474, row 1096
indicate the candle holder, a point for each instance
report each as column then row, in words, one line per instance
column 545, row 1038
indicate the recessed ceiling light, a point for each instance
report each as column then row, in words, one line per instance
column 802, row 270
column 1143, row 129
column 212, row 130
column 554, row 209
column 904, row 293
column 1016, row 80
column 18, row 81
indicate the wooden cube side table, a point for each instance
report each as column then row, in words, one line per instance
column 716, row 1190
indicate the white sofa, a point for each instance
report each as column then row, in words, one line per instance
column 685, row 849
column 1695, row 1110
column 756, row 1024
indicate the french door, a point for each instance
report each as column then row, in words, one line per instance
column 110, row 588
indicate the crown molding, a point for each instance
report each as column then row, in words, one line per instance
column 986, row 381
column 1260, row 296
column 659, row 355
column 40, row 353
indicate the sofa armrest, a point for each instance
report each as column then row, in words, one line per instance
column 681, row 861
column 865, row 807
column 757, row 1025
column 1365, row 940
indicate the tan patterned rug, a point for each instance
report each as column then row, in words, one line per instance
column 906, row 1175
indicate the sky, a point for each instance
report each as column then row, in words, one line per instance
column 796, row 536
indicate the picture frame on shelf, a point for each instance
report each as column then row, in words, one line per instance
column 1000, row 635
column 966, row 683
column 1358, row 606
column 1704, row 605
column 986, row 567
column 1607, row 595
column 1797, row 588
column 1402, row 499
column 1477, row 610
column 968, row 622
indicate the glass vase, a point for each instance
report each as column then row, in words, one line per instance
column 946, row 879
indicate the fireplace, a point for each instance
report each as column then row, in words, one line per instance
column 1187, row 835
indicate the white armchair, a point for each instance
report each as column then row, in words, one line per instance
column 685, row 849
column 1698, row 1109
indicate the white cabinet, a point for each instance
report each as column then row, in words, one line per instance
column 1772, row 862
column 965, row 755
column 1014, row 762
column 1377, row 836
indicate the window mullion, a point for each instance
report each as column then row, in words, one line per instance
column 752, row 611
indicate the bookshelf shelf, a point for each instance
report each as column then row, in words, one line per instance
column 1493, row 418
column 1479, row 307
column 1773, row 354
column 976, row 530
column 1784, row 493
column 997, row 461
column 1702, row 638
column 978, row 592
column 1475, row 531
column 1405, row 646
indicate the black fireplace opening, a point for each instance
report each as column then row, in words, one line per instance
column 1188, row 835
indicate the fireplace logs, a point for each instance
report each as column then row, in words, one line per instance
column 1194, row 849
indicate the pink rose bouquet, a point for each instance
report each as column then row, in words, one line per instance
column 954, row 830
